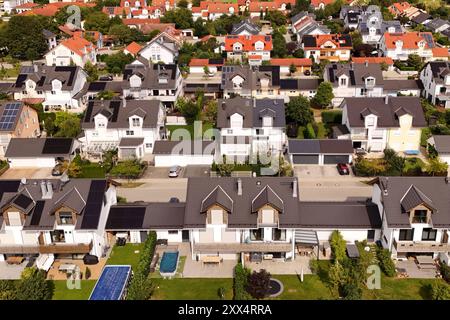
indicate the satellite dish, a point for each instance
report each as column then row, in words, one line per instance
column 23, row 180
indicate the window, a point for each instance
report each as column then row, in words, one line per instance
column 267, row 121
column 370, row 235
column 65, row 217
column 256, row 234
column 363, row 91
column 136, row 122
column 278, row 234
column 259, row 132
column 420, row 216
column 14, row 219
column 129, row 133
column 173, row 232
column 429, row 234
column 24, row 92
column 370, row 120
column 53, row 92
column 230, row 131
column 101, row 124
column 216, row 216
column 149, row 145
column 343, row 81
column 406, row 234
column 57, row 236
column 39, row 92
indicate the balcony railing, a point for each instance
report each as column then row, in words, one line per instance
column 242, row 247
column 421, row 246
column 61, row 248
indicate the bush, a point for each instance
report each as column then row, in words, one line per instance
column 87, row 273
column 338, row 245
column 445, row 271
column 385, row 262
column 130, row 169
column 439, row 291
column 369, row 167
column 321, row 131
column 258, row 284
column 332, row 116
column 33, row 285
column 351, row 291
column 221, row 293
column 241, row 275
column 301, row 132
column 309, row 131
column 7, row 290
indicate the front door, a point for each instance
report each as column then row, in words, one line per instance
column 185, row 235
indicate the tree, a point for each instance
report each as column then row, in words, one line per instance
column 279, row 45
column 338, row 246
column 129, row 169
column 98, row 21
column 298, row 111
column 182, row 4
column 121, row 33
column 67, row 125
column 351, row 291
column 189, row 109
column 384, row 66
column 210, row 112
column 415, row 61
column 116, row 62
column 277, row 18
column 73, row 169
column 182, row 17
column 335, row 275
column 292, row 69
column 7, row 290
column 240, row 281
column 324, row 95
column 91, row 71
column 258, row 284
column 141, row 287
column 33, row 285
column 436, row 167
column 206, row 71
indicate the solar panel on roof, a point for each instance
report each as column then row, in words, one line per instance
column 9, row 115
column 115, row 105
column 128, row 218
column 429, row 39
column 57, row 146
column 94, row 204
column 37, row 213
column 23, row 201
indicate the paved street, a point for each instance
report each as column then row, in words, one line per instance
column 159, row 190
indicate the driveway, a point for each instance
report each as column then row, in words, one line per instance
column 196, row 171
column 317, row 171
column 156, row 190
column 157, row 173
column 29, row 173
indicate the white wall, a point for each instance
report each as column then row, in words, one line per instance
column 32, row 162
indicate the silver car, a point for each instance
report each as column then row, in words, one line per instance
column 174, row 171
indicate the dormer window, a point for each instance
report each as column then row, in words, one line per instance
column 14, row 219
column 267, row 121
column 420, row 216
column 136, row 122
column 370, row 121
column 65, row 217
column 370, row 82
column 343, row 81
column 216, row 216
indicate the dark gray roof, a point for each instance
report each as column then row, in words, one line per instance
column 386, row 112
column 267, row 197
column 252, row 76
column 85, row 196
column 131, row 142
column 245, row 25
column 6, row 87
column 323, row 146
column 39, row 147
column 356, row 72
column 217, row 197
column 421, row 18
column 439, row 69
column 436, row 24
column 340, row 130
column 199, row 147
column 44, row 75
column 118, row 112
column 252, row 111
column 352, row 215
column 48, row 34
column 146, row 216
column 396, row 85
column 150, row 75
column 442, row 143
column 241, row 215
column 299, row 84
column 433, row 191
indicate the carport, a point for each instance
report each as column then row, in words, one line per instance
column 320, row 151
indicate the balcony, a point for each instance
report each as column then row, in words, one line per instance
column 421, row 246
column 242, row 247
column 60, row 248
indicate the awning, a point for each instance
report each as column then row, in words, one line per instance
column 307, row 237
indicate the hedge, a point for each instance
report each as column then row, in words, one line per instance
column 385, row 262
column 241, row 275
column 321, row 131
column 141, row 286
column 332, row 116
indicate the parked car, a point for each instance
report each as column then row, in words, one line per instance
column 106, row 78
column 58, row 170
column 343, row 169
column 174, row 171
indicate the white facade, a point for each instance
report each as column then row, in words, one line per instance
column 156, row 52
column 64, row 56
column 433, row 90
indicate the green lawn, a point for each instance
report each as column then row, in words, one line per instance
column 63, row 293
column 126, row 255
column 400, row 289
column 191, row 289
column 193, row 135
column 92, row 171
column 312, row 288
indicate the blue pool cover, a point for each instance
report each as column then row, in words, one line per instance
column 168, row 262
column 112, row 283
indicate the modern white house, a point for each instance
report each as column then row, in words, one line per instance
column 250, row 126
column 332, row 47
column 162, row 48
column 435, row 77
column 131, row 126
column 304, row 23
column 162, row 82
column 375, row 124
column 252, row 47
column 47, row 219
column 73, row 51
column 56, row 87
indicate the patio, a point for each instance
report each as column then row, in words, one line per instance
column 11, row 271
column 410, row 269
column 281, row 267
column 55, row 274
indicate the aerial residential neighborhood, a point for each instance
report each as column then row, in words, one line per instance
column 279, row 149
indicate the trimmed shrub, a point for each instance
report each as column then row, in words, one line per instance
column 87, row 273
column 338, row 245
column 385, row 262
column 445, row 271
column 241, row 275
column 301, row 132
column 309, row 131
column 258, row 284
column 351, row 291
column 332, row 116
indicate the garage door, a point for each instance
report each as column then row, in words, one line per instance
column 335, row 159
column 305, row 159
column 32, row 162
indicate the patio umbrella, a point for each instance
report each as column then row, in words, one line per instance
column 301, row 275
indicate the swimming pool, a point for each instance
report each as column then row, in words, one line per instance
column 168, row 265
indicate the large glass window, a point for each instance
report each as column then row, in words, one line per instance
column 58, row 236
column 420, row 216
column 406, row 234
column 278, row 234
column 256, row 234
column 429, row 234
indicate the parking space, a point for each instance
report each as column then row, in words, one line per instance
column 28, row 173
column 196, row 171
column 158, row 173
column 318, row 171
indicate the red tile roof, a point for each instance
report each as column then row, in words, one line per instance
column 248, row 42
column 386, row 60
column 258, row 6
column 78, row 45
column 27, row 5
column 286, row 62
column 440, row 52
column 316, row 3
column 117, row 11
column 255, row 57
column 202, row 63
column 321, row 39
column 410, row 39
column 133, row 48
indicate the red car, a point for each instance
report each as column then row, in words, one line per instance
column 343, row 169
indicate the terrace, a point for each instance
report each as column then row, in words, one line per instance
column 420, row 246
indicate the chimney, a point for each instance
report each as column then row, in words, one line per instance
column 43, row 189
column 366, row 63
column 294, row 188
column 239, row 185
column 386, row 99
column 446, row 180
column 35, row 67
column 49, row 194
